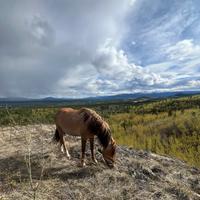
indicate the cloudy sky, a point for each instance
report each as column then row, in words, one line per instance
column 76, row 48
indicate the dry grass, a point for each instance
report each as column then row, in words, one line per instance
column 31, row 167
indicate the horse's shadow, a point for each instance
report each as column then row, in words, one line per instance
column 16, row 168
column 77, row 173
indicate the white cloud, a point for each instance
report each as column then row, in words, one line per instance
column 61, row 48
column 43, row 45
column 183, row 50
column 194, row 83
column 113, row 65
column 111, row 72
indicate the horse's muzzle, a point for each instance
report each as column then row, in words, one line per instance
column 108, row 162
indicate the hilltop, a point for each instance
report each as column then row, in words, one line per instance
column 137, row 174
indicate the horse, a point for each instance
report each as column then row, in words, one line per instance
column 86, row 123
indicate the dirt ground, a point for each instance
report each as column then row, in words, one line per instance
column 32, row 167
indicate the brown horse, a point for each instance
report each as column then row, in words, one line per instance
column 87, row 124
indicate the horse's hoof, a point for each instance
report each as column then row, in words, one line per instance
column 68, row 156
column 95, row 161
column 83, row 164
column 61, row 150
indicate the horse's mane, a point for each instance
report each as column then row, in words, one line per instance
column 96, row 125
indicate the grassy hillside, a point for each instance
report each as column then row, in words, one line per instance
column 177, row 135
column 31, row 167
column 169, row 126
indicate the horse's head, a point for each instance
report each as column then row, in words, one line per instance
column 109, row 153
column 98, row 126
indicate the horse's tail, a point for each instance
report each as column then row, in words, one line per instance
column 56, row 136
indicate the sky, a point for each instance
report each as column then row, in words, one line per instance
column 76, row 48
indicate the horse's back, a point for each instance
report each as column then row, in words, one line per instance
column 69, row 121
column 63, row 113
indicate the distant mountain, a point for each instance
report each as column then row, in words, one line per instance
column 14, row 99
column 153, row 95
column 144, row 95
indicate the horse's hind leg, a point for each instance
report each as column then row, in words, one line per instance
column 63, row 144
column 92, row 150
column 83, row 145
column 65, row 148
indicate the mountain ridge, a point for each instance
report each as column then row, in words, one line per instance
column 123, row 96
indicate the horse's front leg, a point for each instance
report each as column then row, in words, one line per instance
column 83, row 145
column 92, row 150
